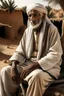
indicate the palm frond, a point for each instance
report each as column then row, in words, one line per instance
column 54, row 1
column 60, row 2
column 10, row 5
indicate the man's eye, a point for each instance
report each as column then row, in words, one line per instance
column 29, row 15
column 34, row 15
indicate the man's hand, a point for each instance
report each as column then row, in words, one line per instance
column 19, row 77
column 14, row 72
column 25, row 71
column 28, row 69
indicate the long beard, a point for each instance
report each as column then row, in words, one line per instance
column 37, row 25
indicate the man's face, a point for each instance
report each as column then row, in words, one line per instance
column 34, row 17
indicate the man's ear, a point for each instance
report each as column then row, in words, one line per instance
column 43, row 16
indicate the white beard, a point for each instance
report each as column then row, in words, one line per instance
column 35, row 26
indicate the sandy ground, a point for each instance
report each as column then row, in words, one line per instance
column 7, row 48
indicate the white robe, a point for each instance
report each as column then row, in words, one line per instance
column 50, row 60
column 48, row 57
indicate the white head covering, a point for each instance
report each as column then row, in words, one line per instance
column 38, row 7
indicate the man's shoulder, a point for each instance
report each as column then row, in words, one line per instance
column 52, row 29
column 51, row 26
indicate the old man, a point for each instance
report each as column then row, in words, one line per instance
column 37, row 59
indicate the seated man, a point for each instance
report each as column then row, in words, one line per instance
column 37, row 59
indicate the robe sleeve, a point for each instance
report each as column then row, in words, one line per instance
column 19, row 53
column 53, row 57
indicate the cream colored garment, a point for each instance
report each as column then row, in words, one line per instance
column 35, row 49
column 50, row 60
column 37, row 80
column 7, row 86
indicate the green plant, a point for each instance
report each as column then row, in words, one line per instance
column 55, row 2
column 24, row 9
column 48, row 10
column 10, row 5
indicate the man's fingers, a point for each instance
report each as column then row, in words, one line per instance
column 13, row 78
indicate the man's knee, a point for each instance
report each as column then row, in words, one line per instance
column 39, row 74
column 36, row 76
column 40, row 77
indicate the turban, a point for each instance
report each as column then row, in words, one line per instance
column 38, row 7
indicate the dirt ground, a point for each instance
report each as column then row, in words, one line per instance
column 7, row 48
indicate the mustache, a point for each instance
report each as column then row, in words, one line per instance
column 33, row 22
